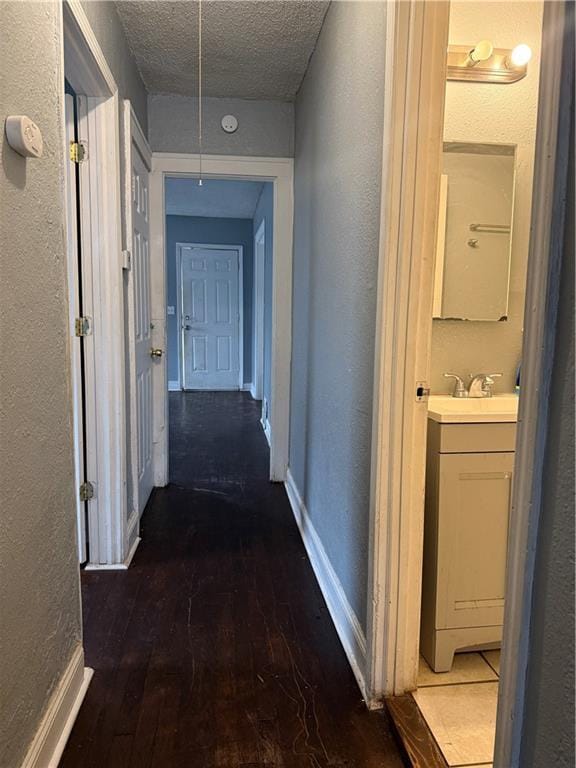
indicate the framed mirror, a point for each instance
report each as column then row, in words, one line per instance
column 472, row 271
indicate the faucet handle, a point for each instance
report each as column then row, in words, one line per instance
column 459, row 386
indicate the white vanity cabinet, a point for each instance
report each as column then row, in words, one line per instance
column 468, row 487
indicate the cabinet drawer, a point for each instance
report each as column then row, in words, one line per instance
column 471, row 438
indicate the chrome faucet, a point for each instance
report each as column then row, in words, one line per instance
column 459, row 387
column 481, row 384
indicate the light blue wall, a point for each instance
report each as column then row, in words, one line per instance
column 192, row 229
column 338, row 147
column 265, row 211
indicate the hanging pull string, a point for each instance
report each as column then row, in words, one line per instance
column 200, row 87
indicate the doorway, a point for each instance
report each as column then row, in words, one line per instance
column 95, row 293
column 274, row 177
column 400, row 445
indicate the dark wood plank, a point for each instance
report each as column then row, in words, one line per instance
column 216, row 649
column 415, row 736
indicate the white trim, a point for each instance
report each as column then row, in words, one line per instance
column 86, row 65
column 267, row 431
column 123, row 566
column 345, row 620
column 417, row 36
column 174, row 386
column 51, row 737
column 180, row 299
column 258, row 305
column 89, row 75
column 279, row 171
column 247, row 387
column 551, row 168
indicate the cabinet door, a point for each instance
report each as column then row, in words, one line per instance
column 474, row 506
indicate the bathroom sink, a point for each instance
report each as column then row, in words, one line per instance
column 452, row 410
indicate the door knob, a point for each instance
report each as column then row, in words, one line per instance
column 156, row 352
column 187, row 327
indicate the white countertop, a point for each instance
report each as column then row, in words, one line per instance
column 473, row 410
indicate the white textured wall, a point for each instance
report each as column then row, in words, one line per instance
column 338, row 161
column 479, row 112
column 265, row 128
column 40, row 623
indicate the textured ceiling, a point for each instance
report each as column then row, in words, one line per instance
column 215, row 198
column 253, row 49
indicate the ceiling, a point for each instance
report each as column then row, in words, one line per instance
column 251, row 49
column 216, row 198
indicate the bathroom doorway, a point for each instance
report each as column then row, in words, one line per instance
column 400, row 446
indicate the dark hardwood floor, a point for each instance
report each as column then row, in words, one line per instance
column 215, row 648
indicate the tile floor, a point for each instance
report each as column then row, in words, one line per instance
column 460, row 707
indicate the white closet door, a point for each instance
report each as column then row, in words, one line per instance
column 142, row 325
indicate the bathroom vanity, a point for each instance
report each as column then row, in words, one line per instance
column 470, row 461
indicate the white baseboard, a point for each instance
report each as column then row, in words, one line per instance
column 115, row 566
column 267, row 430
column 345, row 620
column 247, row 387
column 253, row 392
column 174, row 386
column 51, row 737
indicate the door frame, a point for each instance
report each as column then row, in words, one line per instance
column 85, row 66
column 132, row 133
column 279, row 171
column 416, row 45
column 257, row 389
column 210, row 246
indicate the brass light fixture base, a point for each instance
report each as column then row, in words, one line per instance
column 496, row 69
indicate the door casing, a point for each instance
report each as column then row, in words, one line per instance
column 86, row 69
column 257, row 390
column 280, row 172
column 179, row 307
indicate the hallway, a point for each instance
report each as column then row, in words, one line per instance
column 215, row 648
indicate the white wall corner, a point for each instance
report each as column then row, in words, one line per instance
column 51, row 737
column 345, row 620
column 174, row 386
column 248, row 387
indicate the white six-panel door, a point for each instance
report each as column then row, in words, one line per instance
column 210, row 317
column 142, row 325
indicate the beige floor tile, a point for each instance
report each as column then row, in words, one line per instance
column 493, row 658
column 462, row 719
column 467, row 668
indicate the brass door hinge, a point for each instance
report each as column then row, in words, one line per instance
column 77, row 152
column 82, row 326
column 86, row 491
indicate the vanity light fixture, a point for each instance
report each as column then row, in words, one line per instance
column 485, row 64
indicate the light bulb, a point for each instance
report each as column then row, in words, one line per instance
column 481, row 51
column 521, row 55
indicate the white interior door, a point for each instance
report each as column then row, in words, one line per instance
column 74, row 312
column 142, row 326
column 210, row 317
